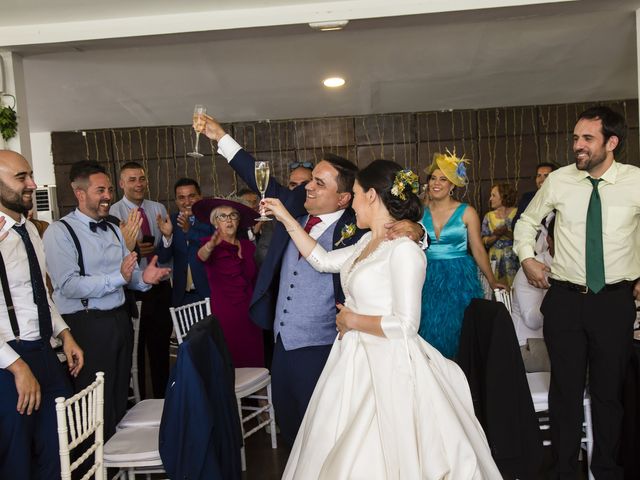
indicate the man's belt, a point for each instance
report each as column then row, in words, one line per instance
column 574, row 287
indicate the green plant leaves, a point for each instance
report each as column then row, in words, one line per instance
column 8, row 122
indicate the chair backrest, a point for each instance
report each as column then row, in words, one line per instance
column 135, row 322
column 503, row 296
column 79, row 418
column 186, row 316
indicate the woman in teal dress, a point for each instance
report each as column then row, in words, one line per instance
column 452, row 274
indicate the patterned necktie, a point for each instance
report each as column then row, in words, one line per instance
column 594, row 256
column 37, row 284
column 312, row 221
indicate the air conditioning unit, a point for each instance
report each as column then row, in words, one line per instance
column 47, row 203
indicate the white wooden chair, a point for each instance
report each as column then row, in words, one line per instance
column 249, row 381
column 539, row 387
column 135, row 384
column 145, row 413
column 503, row 296
column 79, row 418
column 134, row 451
column 186, row 316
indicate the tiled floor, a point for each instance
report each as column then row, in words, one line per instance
column 263, row 463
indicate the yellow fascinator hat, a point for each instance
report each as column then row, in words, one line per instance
column 454, row 168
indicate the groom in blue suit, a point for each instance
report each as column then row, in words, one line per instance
column 181, row 236
column 290, row 297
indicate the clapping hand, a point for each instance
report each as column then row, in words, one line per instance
column 214, row 241
column 165, row 225
column 183, row 221
column 501, row 230
column 128, row 265
column 153, row 274
column 131, row 228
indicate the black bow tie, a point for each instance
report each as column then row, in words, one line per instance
column 95, row 225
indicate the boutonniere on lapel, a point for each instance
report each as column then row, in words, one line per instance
column 348, row 231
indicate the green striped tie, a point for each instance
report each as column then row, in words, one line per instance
column 594, row 252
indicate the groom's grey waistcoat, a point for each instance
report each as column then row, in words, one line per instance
column 306, row 308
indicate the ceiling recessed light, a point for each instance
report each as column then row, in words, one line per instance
column 329, row 26
column 333, row 82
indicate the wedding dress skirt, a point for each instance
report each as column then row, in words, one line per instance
column 388, row 407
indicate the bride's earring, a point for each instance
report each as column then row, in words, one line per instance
column 451, row 192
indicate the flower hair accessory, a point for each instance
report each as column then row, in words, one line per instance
column 453, row 167
column 405, row 179
column 348, row 231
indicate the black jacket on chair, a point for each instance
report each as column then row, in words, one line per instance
column 489, row 355
column 630, row 441
column 200, row 436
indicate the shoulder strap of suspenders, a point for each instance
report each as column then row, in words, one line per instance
column 8, row 300
column 74, row 237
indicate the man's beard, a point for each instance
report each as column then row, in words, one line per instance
column 13, row 201
column 591, row 162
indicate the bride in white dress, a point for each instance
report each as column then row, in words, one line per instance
column 387, row 405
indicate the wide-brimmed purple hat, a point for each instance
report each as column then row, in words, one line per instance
column 202, row 210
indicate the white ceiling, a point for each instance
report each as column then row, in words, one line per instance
column 549, row 53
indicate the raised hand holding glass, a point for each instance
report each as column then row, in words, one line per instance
column 198, row 112
column 262, row 181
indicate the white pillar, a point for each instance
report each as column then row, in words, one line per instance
column 638, row 52
column 13, row 83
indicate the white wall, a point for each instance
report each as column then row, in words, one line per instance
column 41, row 159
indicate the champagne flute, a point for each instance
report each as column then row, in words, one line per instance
column 262, row 180
column 198, row 111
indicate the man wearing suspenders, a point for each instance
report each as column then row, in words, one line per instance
column 89, row 264
column 31, row 376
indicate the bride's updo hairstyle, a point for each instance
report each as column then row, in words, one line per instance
column 396, row 187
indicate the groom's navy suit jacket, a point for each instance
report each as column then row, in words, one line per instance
column 265, row 293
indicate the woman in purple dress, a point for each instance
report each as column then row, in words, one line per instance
column 231, row 271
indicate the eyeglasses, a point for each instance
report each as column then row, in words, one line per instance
column 226, row 216
column 294, row 165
